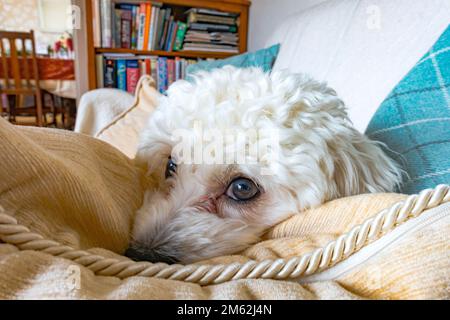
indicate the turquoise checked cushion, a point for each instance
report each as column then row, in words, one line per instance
column 263, row 58
column 414, row 120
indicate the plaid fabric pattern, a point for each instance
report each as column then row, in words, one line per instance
column 414, row 120
column 264, row 58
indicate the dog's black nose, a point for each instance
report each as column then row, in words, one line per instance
column 137, row 252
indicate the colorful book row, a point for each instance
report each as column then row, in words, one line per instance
column 123, row 72
column 141, row 26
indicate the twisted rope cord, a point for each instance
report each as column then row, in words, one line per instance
column 12, row 232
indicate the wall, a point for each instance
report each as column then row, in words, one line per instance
column 265, row 15
column 81, row 61
column 23, row 15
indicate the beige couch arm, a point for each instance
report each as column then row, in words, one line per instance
column 100, row 107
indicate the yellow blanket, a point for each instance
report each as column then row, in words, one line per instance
column 67, row 204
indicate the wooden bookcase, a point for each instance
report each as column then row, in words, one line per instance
column 237, row 6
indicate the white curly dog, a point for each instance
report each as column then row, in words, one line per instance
column 236, row 151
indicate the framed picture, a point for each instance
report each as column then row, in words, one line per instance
column 54, row 15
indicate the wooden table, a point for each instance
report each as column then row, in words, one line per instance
column 56, row 76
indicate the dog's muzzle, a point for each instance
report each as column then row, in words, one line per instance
column 138, row 252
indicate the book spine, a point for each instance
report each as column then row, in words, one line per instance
column 132, row 75
column 96, row 23
column 121, row 74
column 179, row 38
column 154, row 68
column 165, row 29
column 160, row 29
column 141, row 26
column 110, row 74
column 178, row 64
column 162, row 74
column 105, row 11
column 148, row 13
column 100, row 72
column 183, row 69
column 126, row 29
column 212, row 27
column 142, row 68
column 170, row 71
column 157, row 27
column 134, row 24
column 148, row 67
column 165, row 78
column 174, row 33
column 116, row 23
column 213, row 12
column 169, row 35
column 151, row 34
column 202, row 18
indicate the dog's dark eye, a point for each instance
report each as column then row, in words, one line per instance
column 170, row 168
column 242, row 189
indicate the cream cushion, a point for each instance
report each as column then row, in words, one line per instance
column 123, row 132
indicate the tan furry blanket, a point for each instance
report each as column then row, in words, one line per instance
column 61, row 191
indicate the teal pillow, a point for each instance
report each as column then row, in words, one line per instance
column 263, row 58
column 414, row 120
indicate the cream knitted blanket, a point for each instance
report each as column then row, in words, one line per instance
column 67, row 204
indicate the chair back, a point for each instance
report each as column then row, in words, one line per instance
column 19, row 63
column 19, row 67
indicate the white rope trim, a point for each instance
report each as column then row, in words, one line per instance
column 13, row 233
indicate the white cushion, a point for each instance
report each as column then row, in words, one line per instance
column 362, row 48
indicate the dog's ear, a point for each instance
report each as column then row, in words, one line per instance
column 361, row 166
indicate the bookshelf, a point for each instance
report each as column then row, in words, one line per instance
column 240, row 7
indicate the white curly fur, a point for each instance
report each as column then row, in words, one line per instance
column 319, row 157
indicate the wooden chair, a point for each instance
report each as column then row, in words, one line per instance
column 19, row 78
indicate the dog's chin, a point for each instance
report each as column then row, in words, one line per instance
column 190, row 236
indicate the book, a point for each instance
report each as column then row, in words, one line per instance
column 162, row 74
column 105, row 17
column 193, row 35
column 125, row 30
column 173, row 36
column 153, row 22
column 110, row 73
column 159, row 28
column 121, row 65
column 134, row 26
column 212, row 12
column 169, row 35
column 141, row 26
column 96, row 23
column 212, row 27
column 100, row 72
column 162, row 40
column 170, row 71
column 123, row 71
column 143, row 67
column 116, row 23
column 198, row 17
column 209, row 48
column 178, row 66
column 148, row 13
column 179, row 38
column 154, row 67
column 132, row 75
